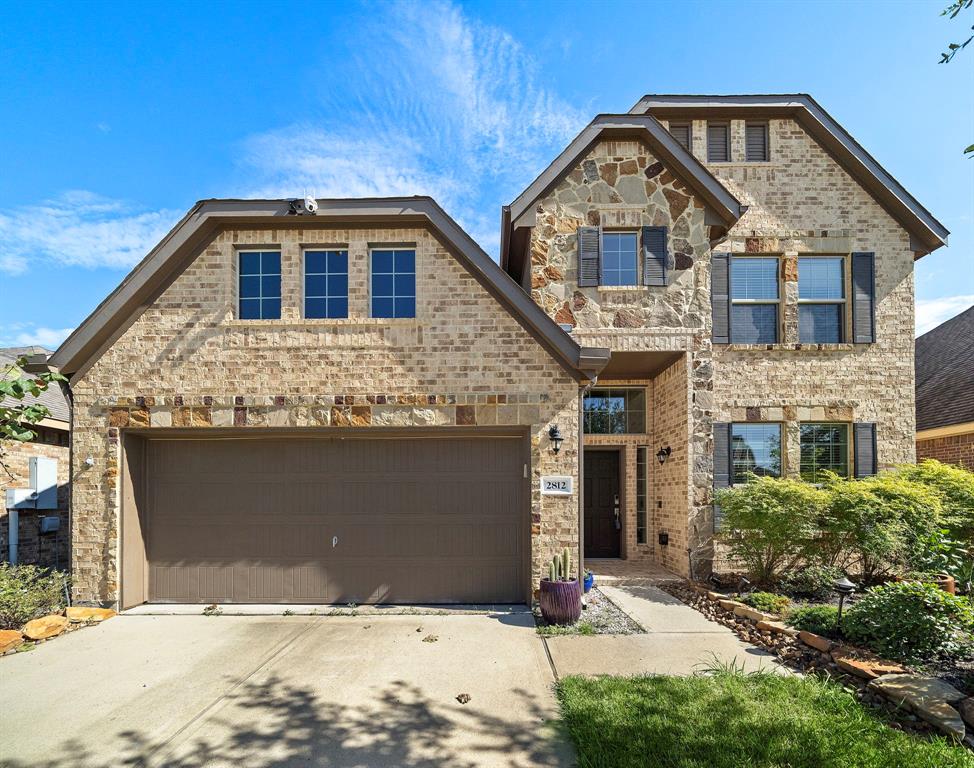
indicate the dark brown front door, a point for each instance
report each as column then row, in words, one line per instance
column 602, row 522
column 363, row 520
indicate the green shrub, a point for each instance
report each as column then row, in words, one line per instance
column 812, row 582
column 28, row 592
column 910, row 621
column 938, row 553
column 877, row 525
column 768, row 602
column 770, row 524
column 955, row 486
column 819, row 619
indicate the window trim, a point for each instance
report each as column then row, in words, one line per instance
column 844, row 323
column 850, row 445
column 751, row 302
column 393, row 247
column 726, row 124
column 643, row 452
column 767, row 140
column 626, row 411
column 637, row 255
column 304, row 279
column 239, row 250
column 689, row 126
column 781, row 447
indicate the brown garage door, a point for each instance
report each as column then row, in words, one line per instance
column 416, row 520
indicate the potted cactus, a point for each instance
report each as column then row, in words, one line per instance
column 560, row 597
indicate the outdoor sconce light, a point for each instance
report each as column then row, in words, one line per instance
column 845, row 588
column 554, row 434
column 663, row 454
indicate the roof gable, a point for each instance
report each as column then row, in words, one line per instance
column 183, row 243
column 926, row 232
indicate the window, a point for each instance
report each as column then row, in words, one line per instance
column 394, row 283
column 755, row 448
column 620, row 258
column 718, row 142
column 260, row 285
column 683, row 134
column 325, row 284
column 824, row 447
column 642, row 482
column 754, row 300
column 756, row 142
column 821, row 300
column 615, row 411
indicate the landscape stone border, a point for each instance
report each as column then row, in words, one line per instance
column 48, row 627
column 919, row 703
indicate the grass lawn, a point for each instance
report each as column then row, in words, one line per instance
column 735, row 720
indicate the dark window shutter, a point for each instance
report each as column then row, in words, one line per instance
column 864, row 446
column 863, row 298
column 756, row 142
column 718, row 142
column 681, row 132
column 722, row 463
column 720, row 297
column 589, row 256
column 654, row 255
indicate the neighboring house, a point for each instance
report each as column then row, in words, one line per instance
column 48, row 549
column 360, row 405
column 945, row 392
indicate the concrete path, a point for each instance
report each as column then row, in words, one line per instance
column 261, row 691
column 679, row 641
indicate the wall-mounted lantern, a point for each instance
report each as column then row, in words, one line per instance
column 554, row 434
column 663, row 454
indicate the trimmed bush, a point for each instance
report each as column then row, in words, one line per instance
column 811, row 582
column 770, row 524
column 910, row 620
column 955, row 486
column 819, row 619
column 768, row 602
column 28, row 592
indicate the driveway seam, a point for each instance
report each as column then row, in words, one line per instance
column 551, row 661
column 149, row 758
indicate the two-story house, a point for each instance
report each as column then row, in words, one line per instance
column 357, row 404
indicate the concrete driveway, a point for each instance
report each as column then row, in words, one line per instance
column 284, row 691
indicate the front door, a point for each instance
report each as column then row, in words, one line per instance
column 603, row 525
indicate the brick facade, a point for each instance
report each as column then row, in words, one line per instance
column 800, row 202
column 187, row 362
column 950, row 449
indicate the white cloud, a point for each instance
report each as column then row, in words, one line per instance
column 79, row 228
column 28, row 335
column 932, row 312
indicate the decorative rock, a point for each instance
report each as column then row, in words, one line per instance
column 911, row 688
column 747, row 612
column 45, row 627
column 730, row 605
column 966, row 708
column 817, row 642
column 777, row 627
column 864, row 665
column 10, row 639
column 715, row 596
column 78, row 613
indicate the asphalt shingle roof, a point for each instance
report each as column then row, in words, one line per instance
column 53, row 398
column 945, row 373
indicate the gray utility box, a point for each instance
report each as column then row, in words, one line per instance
column 42, row 493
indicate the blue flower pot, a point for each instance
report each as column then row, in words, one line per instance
column 589, row 581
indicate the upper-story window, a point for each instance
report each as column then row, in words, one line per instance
column 394, row 283
column 756, row 142
column 260, row 285
column 821, row 300
column 614, row 411
column 754, row 300
column 718, row 143
column 620, row 258
column 325, row 284
column 683, row 133
column 755, row 449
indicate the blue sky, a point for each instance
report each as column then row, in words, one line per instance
column 117, row 118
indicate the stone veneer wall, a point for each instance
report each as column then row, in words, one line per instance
column 799, row 202
column 950, row 449
column 51, row 549
column 187, row 362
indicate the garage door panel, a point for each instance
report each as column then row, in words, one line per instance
column 416, row 520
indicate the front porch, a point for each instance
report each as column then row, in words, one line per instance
column 610, row 572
